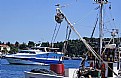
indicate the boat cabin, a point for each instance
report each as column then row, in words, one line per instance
column 46, row 49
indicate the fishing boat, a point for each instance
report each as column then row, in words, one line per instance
column 36, row 55
column 104, row 60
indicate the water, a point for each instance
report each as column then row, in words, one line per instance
column 17, row 71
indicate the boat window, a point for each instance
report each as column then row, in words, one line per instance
column 22, row 52
column 32, row 52
column 42, row 49
column 54, row 50
column 48, row 50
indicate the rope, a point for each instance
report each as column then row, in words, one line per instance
column 54, row 33
column 112, row 16
column 57, row 32
column 66, row 40
column 84, row 18
column 68, row 32
column 94, row 26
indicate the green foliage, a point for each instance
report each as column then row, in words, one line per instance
column 45, row 44
column 8, row 43
column 31, row 44
column 13, row 49
column 17, row 44
column 23, row 46
column 73, row 47
column 0, row 42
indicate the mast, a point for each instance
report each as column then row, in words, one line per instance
column 101, row 3
column 101, row 27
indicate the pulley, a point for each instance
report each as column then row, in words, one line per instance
column 101, row 1
column 59, row 17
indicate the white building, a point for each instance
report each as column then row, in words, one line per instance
column 3, row 47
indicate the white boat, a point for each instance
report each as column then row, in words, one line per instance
column 36, row 55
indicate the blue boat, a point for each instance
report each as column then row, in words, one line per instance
column 36, row 55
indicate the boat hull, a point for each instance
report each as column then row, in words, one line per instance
column 40, row 75
column 29, row 61
column 69, row 73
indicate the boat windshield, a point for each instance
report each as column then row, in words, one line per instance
column 30, row 52
column 54, row 50
column 38, row 48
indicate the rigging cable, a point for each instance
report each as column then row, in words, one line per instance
column 112, row 16
column 54, row 33
column 66, row 40
column 84, row 18
column 57, row 32
column 95, row 26
column 68, row 32
column 111, row 20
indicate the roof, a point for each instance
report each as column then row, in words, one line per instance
column 3, row 45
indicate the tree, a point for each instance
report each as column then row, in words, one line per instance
column 8, row 43
column 45, row 44
column 23, row 46
column 17, row 44
column 31, row 44
column 0, row 42
column 13, row 49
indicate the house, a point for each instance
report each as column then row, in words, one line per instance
column 4, row 47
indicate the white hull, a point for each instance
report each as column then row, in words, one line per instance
column 40, row 75
column 38, row 61
column 34, row 57
column 69, row 73
column 20, row 61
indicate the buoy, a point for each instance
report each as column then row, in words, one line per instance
column 57, row 68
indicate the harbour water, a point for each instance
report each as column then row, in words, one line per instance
column 17, row 71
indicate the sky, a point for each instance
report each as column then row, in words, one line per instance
column 33, row 20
